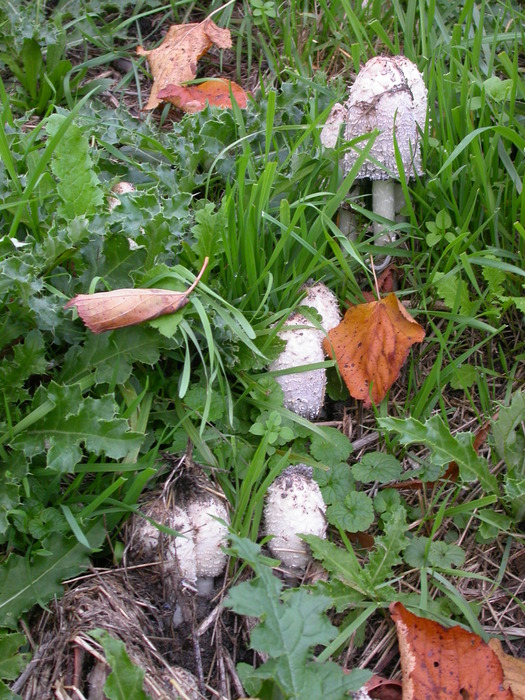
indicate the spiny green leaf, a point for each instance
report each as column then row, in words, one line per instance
column 79, row 187
column 112, row 354
column 291, row 625
column 126, row 679
column 454, row 292
column 444, row 447
column 76, row 420
column 208, row 233
column 338, row 561
column 508, row 434
column 387, row 548
column 28, row 358
column 24, row 582
column 9, row 499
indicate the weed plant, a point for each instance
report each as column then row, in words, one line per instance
column 84, row 418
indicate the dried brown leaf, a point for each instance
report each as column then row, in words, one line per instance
column 370, row 346
column 175, row 60
column 513, row 670
column 193, row 98
column 440, row 663
column 105, row 311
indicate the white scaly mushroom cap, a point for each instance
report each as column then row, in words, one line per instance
column 389, row 92
column 304, row 391
column 324, row 301
column 209, row 534
column 177, row 554
column 294, row 506
column 122, row 187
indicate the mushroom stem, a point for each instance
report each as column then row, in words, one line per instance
column 383, row 204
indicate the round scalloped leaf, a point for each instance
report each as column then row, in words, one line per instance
column 354, row 514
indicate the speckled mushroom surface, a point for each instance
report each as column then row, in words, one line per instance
column 389, row 94
column 294, row 506
column 304, row 391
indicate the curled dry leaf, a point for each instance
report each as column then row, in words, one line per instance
column 105, row 311
column 175, row 60
column 370, row 346
column 193, row 98
column 442, row 663
column 513, row 670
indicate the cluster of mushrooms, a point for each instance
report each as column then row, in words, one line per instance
column 389, row 98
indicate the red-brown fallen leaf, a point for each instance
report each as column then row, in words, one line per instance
column 175, row 60
column 440, row 663
column 513, row 670
column 193, row 98
column 383, row 689
column 370, row 346
column 105, row 311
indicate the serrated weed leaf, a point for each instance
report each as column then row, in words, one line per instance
column 291, row 625
column 79, row 186
column 366, row 580
column 25, row 582
column 444, row 447
column 388, row 547
column 508, row 434
column 76, row 420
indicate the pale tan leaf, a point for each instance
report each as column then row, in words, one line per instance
column 513, row 670
column 105, row 311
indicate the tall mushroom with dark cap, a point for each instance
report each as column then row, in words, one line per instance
column 390, row 96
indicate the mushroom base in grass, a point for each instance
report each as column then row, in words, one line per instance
column 389, row 97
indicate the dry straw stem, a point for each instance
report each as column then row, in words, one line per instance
column 68, row 658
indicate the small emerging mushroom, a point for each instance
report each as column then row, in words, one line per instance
column 294, row 506
column 121, row 187
column 304, row 391
column 193, row 509
column 389, row 95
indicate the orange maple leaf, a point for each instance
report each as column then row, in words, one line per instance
column 193, row 98
column 370, row 346
column 441, row 663
column 106, row 311
column 175, row 60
